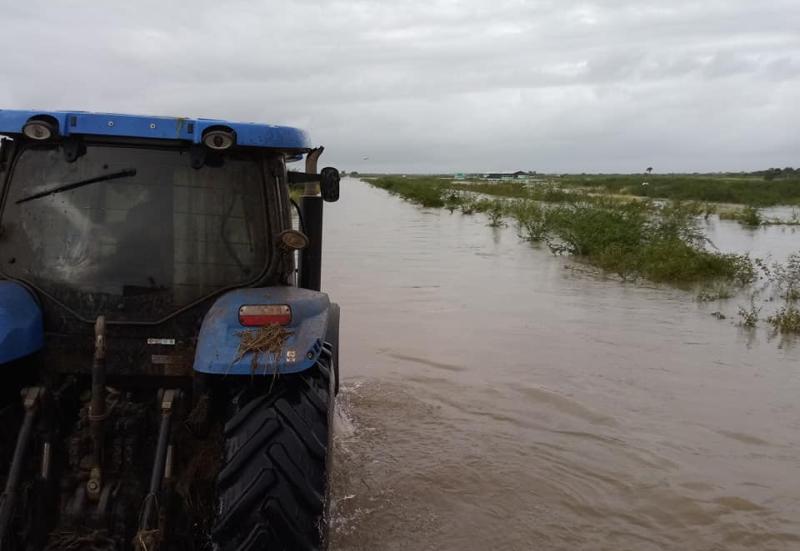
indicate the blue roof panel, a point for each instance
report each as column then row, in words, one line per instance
column 164, row 128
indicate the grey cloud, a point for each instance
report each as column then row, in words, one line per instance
column 437, row 85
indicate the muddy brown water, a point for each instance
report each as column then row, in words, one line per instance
column 497, row 397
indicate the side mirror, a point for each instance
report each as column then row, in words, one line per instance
column 329, row 184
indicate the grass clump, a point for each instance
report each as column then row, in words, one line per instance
column 467, row 207
column 749, row 316
column 747, row 216
column 786, row 320
column 531, row 220
column 750, row 216
column 495, row 212
column 787, row 278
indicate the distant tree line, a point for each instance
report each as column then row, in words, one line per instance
column 779, row 173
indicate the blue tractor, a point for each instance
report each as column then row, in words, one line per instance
column 168, row 362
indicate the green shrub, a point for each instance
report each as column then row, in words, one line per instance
column 786, row 320
column 531, row 220
column 787, row 277
column 750, row 216
column 638, row 240
column 495, row 212
column 748, row 317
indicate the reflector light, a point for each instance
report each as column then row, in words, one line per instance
column 259, row 315
column 219, row 139
column 38, row 130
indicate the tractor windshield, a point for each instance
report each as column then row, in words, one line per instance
column 133, row 233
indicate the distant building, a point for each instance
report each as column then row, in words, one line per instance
column 519, row 175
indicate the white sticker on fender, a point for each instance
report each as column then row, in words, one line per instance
column 168, row 342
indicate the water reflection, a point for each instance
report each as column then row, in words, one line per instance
column 774, row 242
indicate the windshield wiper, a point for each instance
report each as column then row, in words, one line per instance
column 66, row 187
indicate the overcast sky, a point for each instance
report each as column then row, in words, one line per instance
column 421, row 86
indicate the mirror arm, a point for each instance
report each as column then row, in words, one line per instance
column 302, row 177
column 312, row 188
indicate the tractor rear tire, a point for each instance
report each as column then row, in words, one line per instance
column 273, row 485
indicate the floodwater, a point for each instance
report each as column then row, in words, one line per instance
column 773, row 243
column 498, row 397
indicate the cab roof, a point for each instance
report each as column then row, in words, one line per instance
column 165, row 128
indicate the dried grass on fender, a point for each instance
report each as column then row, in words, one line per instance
column 267, row 341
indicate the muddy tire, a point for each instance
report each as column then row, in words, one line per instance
column 273, row 484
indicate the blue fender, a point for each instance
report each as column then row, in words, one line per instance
column 21, row 328
column 217, row 349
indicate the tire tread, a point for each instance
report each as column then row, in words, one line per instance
column 271, row 489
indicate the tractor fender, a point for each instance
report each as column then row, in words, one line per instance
column 21, row 328
column 219, row 349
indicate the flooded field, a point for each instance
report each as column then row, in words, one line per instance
column 498, row 397
column 775, row 242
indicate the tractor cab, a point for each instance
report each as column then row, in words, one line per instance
column 143, row 257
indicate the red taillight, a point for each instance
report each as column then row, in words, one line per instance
column 258, row 315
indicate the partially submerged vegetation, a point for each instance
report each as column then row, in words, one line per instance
column 627, row 235
column 738, row 198
column 783, row 282
column 747, row 189
column 631, row 239
column 749, row 316
column 786, row 320
column 715, row 292
column 426, row 192
column 750, row 216
column 787, row 281
column 753, row 217
column 787, row 278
